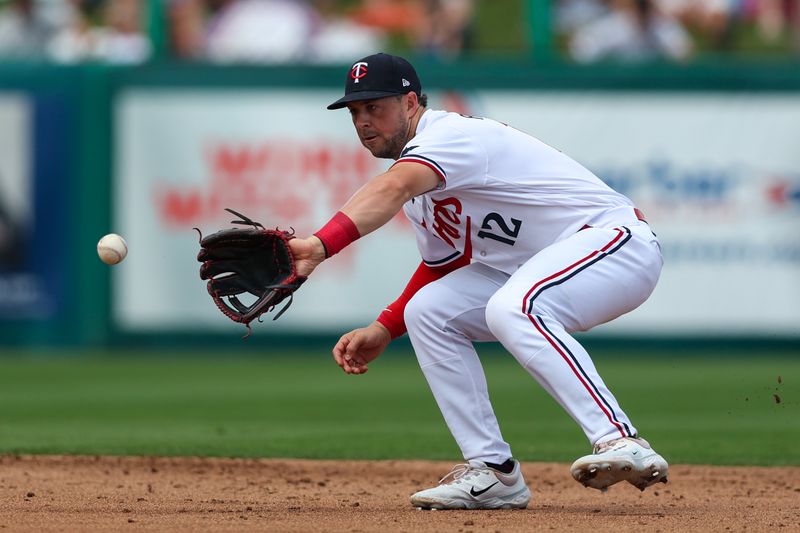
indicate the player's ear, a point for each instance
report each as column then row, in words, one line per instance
column 412, row 102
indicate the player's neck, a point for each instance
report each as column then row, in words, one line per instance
column 412, row 128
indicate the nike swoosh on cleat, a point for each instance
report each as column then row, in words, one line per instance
column 479, row 492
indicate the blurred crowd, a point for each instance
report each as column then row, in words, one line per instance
column 315, row 31
column 637, row 30
column 69, row 31
column 332, row 31
column 255, row 31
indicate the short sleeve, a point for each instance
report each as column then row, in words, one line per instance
column 458, row 159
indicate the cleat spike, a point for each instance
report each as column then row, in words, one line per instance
column 625, row 459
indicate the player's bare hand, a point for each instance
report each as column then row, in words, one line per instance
column 308, row 254
column 361, row 346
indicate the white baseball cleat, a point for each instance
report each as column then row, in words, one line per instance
column 625, row 459
column 476, row 486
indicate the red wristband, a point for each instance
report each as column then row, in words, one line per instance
column 392, row 319
column 337, row 233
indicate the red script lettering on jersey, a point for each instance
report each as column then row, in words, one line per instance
column 446, row 219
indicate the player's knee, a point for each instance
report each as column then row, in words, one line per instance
column 502, row 314
column 420, row 309
column 505, row 310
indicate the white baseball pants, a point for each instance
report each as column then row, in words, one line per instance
column 575, row 284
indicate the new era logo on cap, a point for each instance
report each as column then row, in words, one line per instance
column 378, row 76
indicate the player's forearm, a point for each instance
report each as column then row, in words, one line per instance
column 370, row 208
column 374, row 204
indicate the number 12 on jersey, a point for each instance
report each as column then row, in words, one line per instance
column 504, row 232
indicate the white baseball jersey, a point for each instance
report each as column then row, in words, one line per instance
column 553, row 249
column 503, row 195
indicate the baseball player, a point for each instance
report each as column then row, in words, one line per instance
column 520, row 244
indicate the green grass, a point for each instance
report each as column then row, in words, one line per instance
column 696, row 408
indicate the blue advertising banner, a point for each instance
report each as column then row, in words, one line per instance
column 34, row 175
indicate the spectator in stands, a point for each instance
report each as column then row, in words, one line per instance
column 315, row 31
column 773, row 17
column 126, row 41
column 445, row 30
column 259, row 31
column 268, row 31
column 400, row 17
column 633, row 30
column 712, row 18
column 572, row 14
column 187, row 21
column 26, row 26
column 439, row 28
column 117, row 40
column 342, row 37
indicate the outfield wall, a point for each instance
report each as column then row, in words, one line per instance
column 711, row 155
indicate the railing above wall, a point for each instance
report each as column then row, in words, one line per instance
column 489, row 73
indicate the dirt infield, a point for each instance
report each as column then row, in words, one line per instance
column 45, row 493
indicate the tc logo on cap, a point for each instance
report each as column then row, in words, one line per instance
column 358, row 71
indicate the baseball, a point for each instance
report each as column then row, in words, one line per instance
column 112, row 249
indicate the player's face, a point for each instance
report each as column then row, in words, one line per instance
column 382, row 125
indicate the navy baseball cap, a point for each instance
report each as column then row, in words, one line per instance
column 378, row 76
